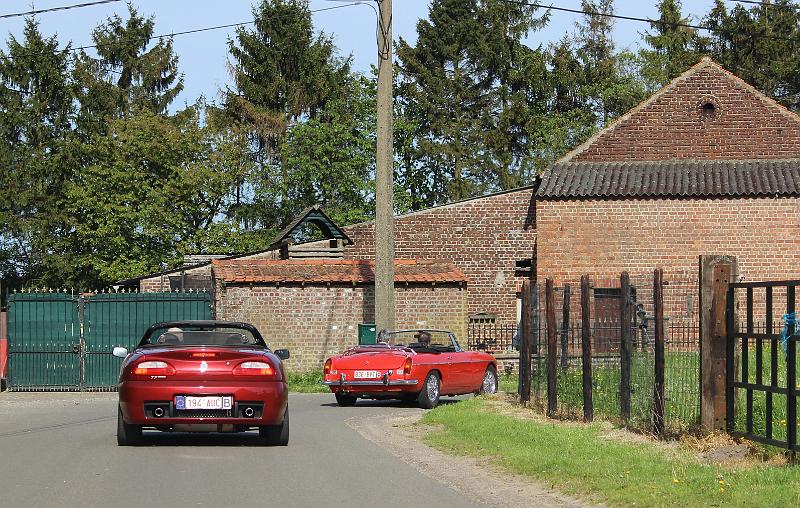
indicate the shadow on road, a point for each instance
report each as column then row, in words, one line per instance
column 160, row 439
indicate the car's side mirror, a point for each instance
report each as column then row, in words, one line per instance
column 120, row 352
column 283, row 354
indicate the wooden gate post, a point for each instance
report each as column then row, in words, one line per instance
column 625, row 345
column 586, row 350
column 716, row 272
column 565, row 328
column 658, row 382
column 525, row 345
column 552, row 346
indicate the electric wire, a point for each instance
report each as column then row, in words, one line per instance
column 54, row 9
column 651, row 21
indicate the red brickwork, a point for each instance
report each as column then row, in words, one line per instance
column 672, row 125
column 482, row 236
column 317, row 321
column 604, row 237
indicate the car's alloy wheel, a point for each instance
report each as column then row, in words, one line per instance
column 345, row 399
column 127, row 434
column 429, row 396
column 489, row 384
column 276, row 435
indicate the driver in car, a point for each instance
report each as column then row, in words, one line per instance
column 424, row 339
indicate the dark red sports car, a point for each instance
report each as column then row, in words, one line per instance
column 413, row 365
column 203, row 376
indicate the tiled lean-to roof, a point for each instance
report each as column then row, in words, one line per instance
column 332, row 271
column 675, row 178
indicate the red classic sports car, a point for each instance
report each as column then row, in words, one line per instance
column 410, row 365
column 202, row 376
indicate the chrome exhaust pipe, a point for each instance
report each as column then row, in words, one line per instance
column 248, row 412
column 158, row 412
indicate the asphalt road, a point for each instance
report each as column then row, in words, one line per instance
column 59, row 449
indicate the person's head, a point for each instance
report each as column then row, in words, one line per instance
column 424, row 338
column 177, row 332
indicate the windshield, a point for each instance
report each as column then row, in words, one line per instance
column 421, row 340
column 193, row 335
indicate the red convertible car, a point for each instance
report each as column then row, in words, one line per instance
column 202, row 376
column 410, row 365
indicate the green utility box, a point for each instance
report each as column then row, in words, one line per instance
column 366, row 333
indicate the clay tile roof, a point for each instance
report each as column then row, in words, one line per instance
column 331, row 270
column 676, row 178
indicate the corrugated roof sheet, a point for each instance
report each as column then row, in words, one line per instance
column 676, row 178
column 332, row 270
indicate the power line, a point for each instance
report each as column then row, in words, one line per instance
column 183, row 32
column 634, row 18
column 765, row 4
column 53, row 9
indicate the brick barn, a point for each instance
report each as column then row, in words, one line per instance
column 707, row 165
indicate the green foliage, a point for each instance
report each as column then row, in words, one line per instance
column 674, row 48
column 307, row 382
column 36, row 160
column 126, row 76
column 155, row 190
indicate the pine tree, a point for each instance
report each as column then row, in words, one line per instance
column 761, row 45
column 36, row 162
column 126, row 76
column 674, row 48
column 282, row 73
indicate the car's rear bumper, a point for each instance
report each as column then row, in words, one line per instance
column 390, row 382
column 268, row 399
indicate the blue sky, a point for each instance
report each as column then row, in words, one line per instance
column 203, row 56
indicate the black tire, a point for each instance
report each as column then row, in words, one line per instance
column 127, row 434
column 345, row 399
column 428, row 398
column 276, row 435
column 489, row 383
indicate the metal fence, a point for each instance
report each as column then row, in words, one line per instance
column 62, row 341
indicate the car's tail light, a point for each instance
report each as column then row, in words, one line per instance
column 326, row 369
column 204, row 355
column 254, row 369
column 154, row 368
column 407, row 366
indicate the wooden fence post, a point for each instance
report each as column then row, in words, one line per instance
column 658, row 384
column 626, row 316
column 586, row 350
column 525, row 345
column 565, row 328
column 552, row 347
column 715, row 274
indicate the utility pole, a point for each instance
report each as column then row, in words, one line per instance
column 384, row 178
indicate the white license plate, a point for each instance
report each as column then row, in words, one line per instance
column 366, row 374
column 184, row 402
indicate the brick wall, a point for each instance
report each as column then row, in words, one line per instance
column 671, row 125
column 482, row 236
column 604, row 237
column 315, row 322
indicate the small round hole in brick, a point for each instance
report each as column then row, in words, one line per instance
column 708, row 110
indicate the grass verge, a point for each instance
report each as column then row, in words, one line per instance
column 580, row 459
column 307, row 382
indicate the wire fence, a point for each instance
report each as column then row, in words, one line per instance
column 681, row 344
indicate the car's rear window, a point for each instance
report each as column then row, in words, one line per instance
column 190, row 336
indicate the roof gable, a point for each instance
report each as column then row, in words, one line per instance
column 316, row 216
column 705, row 113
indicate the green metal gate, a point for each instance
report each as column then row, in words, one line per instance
column 63, row 342
column 44, row 341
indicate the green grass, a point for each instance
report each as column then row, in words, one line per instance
column 307, row 382
column 576, row 459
